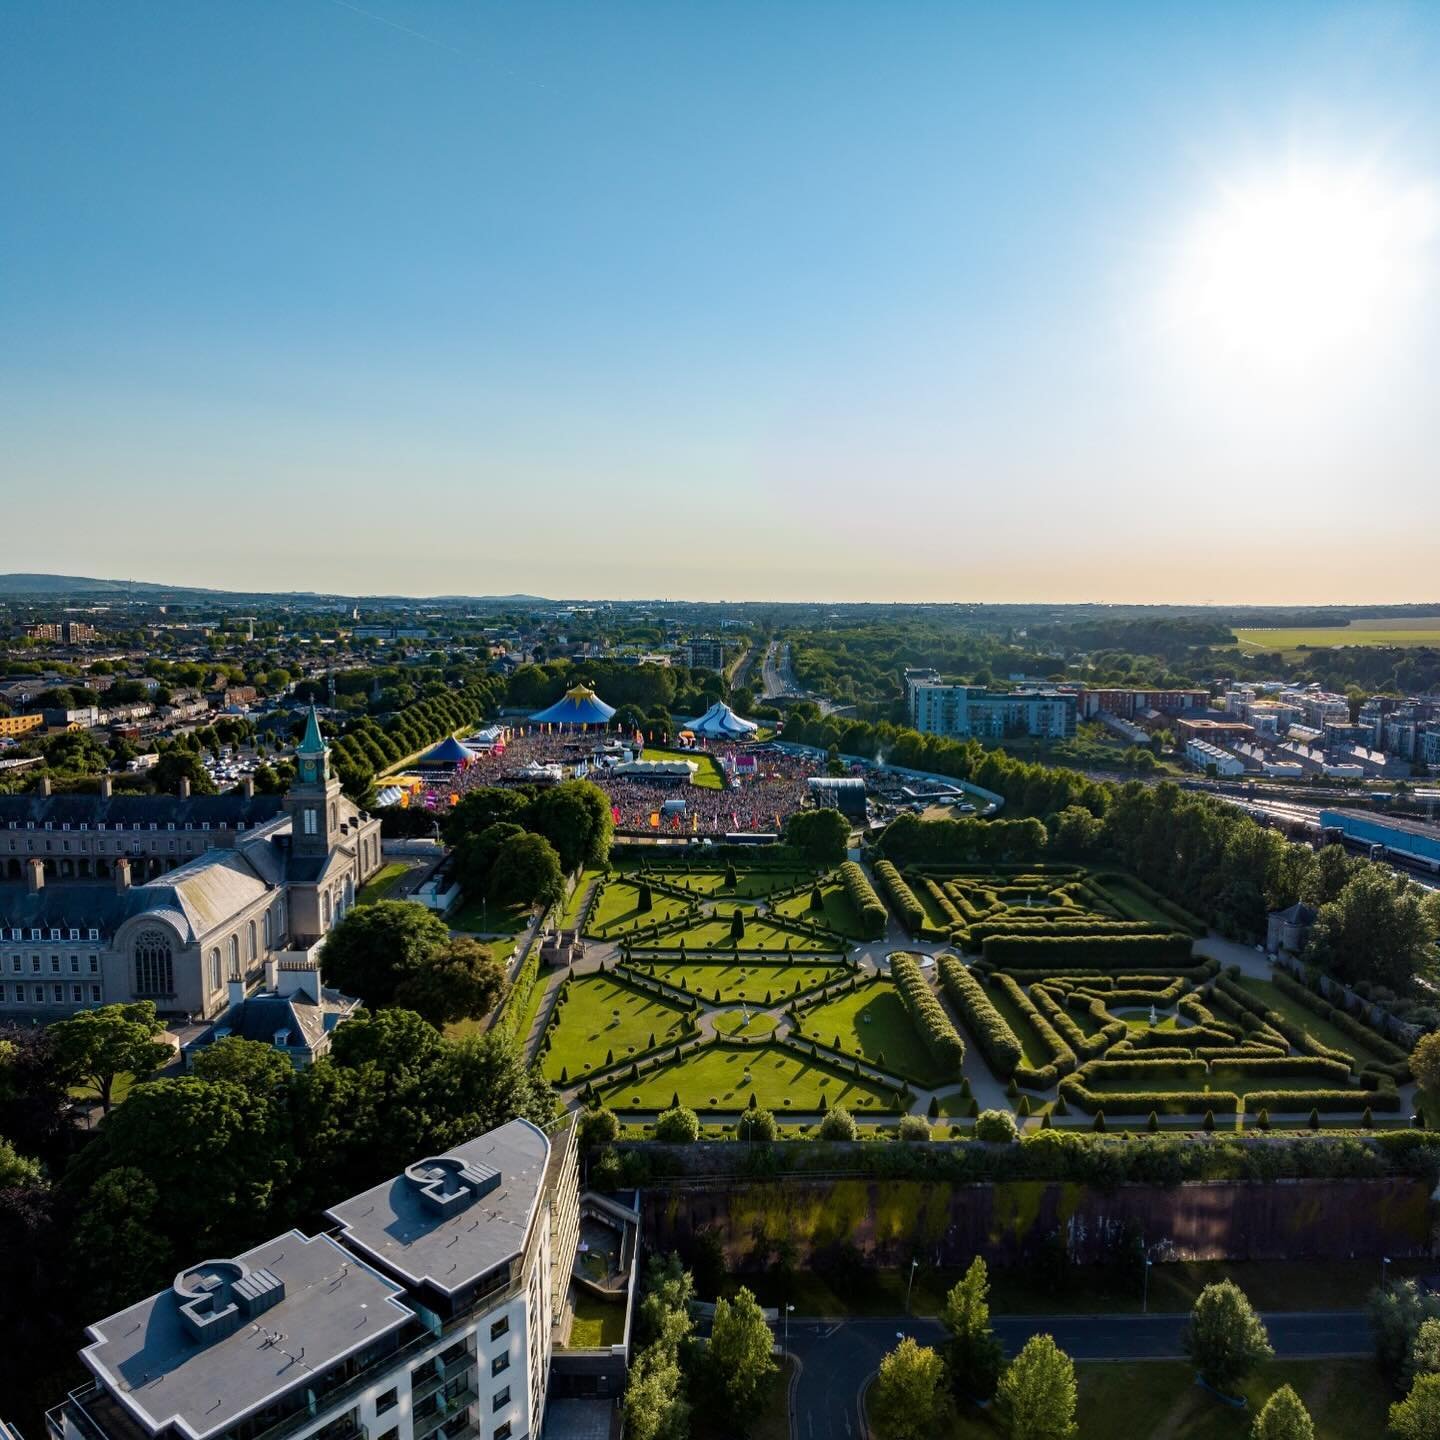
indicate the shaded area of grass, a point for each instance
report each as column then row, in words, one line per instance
column 1273, row 998
column 600, row 1015
column 1160, row 1400
column 837, row 912
column 724, row 1077
column 872, row 1022
column 384, row 883
column 483, row 918
column 597, row 1323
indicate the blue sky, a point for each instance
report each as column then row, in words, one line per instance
column 848, row 301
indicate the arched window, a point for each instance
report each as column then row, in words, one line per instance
column 325, row 906
column 269, row 930
column 154, row 964
column 334, row 816
column 252, row 953
column 234, row 957
column 215, row 969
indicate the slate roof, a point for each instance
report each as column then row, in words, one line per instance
column 232, row 807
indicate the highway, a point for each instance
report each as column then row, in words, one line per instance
column 837, row 1358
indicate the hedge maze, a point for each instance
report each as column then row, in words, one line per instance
column 1081, row 989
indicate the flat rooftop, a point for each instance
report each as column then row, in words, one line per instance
column 453, row 1218
column 329, row 1305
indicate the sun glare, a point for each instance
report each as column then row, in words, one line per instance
column 1284, row 272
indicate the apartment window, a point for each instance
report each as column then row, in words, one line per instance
column 500, row 1364
column 54, row 964
column 57, row 994
column 501, row 1400
column 500, row 1327
column 15, row 964
column 95, row 993
column 94, row 964
column 77, row 994
column 19, row 994
column 388, row 1401
column 502, row 1432
column 2, row 994
column 34, row 964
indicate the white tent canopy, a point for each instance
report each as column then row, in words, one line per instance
column 720, row 722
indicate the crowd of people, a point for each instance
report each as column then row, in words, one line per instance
column 763, row 786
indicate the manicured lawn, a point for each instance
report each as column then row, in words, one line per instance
column 724, row 1077
column 618, row 909
column 934, row 915
column 384, row 883
column 600, row 1015
column 749, row 884
column 1160, row 1400
column 750, row 982
column 1030, row 1042
column 838, row 913
column 1273, row 998
column 708, row 777
column 759, row 935
column 487, row 919
column 733, row 1022
column 1131, row 904
column 571, row 917
column 597, row 1323
column 873, row 1023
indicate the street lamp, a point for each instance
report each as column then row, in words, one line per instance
column 914, row 1265
column 788, row 1310
column 1145, row 1290
column 1384, row 1269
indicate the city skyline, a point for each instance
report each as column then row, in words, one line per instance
column 1042, row 305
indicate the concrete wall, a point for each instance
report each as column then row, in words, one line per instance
column 891, row 1220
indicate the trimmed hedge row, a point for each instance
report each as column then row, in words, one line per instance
column 941, row 899
column 1064, row 924
column 1076, row 951
column 1063, row 1058
column 1297, row 1035
column 1110, row 1030
column 869, row 909
column 1182, row 917
column 900, row 896
column 940, row 1037
column 1327, row 1102
column 1140, row 1102
column 998, row 1042
column 1145, row 1068
column 1191, row 1037
column 1295, row 1065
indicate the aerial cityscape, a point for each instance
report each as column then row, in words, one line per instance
column 719, row 722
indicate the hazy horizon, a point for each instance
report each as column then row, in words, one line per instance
column 1043, row 304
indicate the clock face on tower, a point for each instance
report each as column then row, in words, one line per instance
column 307, row 771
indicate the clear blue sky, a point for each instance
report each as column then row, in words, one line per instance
column 871, row 301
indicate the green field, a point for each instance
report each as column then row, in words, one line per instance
column 724, row 1077
column 599, row 1016
column 1404, row 633
column 873, row 1023
column 383, row 883
column 1160, row 1401
column 708, row 777
column 743, row 981
column 481, row 918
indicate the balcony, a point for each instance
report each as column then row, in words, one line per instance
column 424, row 1383
column 451, row 1409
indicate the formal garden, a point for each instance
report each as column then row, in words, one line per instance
column 1076, row 994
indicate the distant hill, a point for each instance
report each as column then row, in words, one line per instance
column 23, row 586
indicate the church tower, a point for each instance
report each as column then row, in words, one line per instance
column 314, row 798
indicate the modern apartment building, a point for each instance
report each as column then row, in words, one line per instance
column 965, row 711
column 427, row 1314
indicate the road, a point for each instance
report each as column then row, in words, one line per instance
column 837, row 1358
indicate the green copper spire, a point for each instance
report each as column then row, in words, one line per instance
column 312, row 742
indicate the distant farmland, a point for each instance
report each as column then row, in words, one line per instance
column 1411, row 631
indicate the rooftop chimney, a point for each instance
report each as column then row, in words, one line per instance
column 184, row 787
column 107, row 787
column 45, row 786
column 247, row 787
column 34, row 875
column 122, row 875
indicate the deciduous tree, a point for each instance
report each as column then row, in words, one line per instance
column 1038, row 1391
column 96, row 1047
column 909, row 1399
column 1225, row 1339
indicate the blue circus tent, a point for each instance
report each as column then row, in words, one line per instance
column 448, row 752
column 580, row 706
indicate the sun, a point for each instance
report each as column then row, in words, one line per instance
column 1287, row 270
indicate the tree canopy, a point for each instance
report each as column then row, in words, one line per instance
column 1225, row 1339
column 909, row 1399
